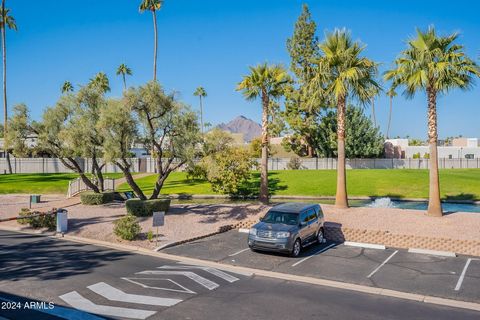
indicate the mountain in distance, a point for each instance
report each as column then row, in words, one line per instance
column 249, row 128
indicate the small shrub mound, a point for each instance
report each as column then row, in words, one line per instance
column 127, row 228
column 92, row 199
column 145, row 208
column 46, row 221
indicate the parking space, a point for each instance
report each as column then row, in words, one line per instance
column 395, row 269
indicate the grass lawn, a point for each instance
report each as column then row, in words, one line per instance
column 455, row 184
column 40, row 183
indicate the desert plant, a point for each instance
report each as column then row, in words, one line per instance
column 44, row 221
column 92, row 199
column 144, row 208
column 150, row 235
column 127, row 228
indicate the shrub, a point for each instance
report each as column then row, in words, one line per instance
column 150, row 235
column 416, row 155
column 45, row 221
column 144, row 208
column 127, row 228
column 294, row 164
column 91, row 198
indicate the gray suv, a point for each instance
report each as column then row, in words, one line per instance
column 287, row 228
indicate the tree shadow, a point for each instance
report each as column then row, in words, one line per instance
column 251, row 188
column 42, row 258
column 460, row 196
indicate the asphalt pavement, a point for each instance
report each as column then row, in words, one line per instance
column 47, row 278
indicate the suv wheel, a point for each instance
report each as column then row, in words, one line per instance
column 297, row 247
column 320, row 236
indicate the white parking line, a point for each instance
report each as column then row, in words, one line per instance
column 462, row 276
column 382, row 264
column 238, row 252
column 318, row 252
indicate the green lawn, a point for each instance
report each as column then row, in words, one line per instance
column 455, row 184
column 39, row 183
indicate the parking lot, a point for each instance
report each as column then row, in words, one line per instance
column 395, row 269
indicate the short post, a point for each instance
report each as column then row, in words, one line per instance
column 62, row 221
column 158, row 221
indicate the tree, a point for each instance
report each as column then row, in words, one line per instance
column 300, row 113
column 100, row 82
column 433, row 64
column 200, row 93
column 67, row 87
column 267, row 83
column 391, row 94
column 171, row 129
column 153, row 6
column 119, row 128
column 6, row 21
column 362, row 138
column 124, row 70
column 342, row 72
column 19, row 132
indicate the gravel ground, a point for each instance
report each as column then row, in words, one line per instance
column 187, row 221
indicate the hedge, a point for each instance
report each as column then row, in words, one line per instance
column 144, row 208
column 127, row 228
column 91, row 198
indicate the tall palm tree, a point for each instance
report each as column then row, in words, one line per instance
column 153, row 6
column 67, row 87
column 201, row 93
column 391, row 94
column 341, row 73
column 101, row 82
column 124, row 71
column 434, row 64
column 6, row 20
column 266, row 82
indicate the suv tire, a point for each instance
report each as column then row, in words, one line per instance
column 297, row 248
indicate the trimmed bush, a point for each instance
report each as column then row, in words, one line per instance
column 127, row 228
column 145, row 208
column 46, row 221
column 92, row 199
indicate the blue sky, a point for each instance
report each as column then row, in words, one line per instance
column 212, row 43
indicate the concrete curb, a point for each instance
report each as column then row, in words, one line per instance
column 282, row 276
column 433, row 252
column 365, row 245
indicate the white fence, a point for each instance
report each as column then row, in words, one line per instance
column 77, row 185
column 52, row 165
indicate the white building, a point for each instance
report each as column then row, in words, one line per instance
column 462, row 148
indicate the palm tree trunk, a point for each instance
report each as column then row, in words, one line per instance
column 389, row 118
column 155, row 46
column 201, row 114
column 264, row 162
column 5, row 110
column 341, row 200
column 373, row 113
column 124, row 83
column 434, row 203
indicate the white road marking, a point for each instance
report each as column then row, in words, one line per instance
column 184, row 290
column 77, row 301
column 215, row 272
column 432, row 252
column 364, row 245
column 62, row 312
column 242, row 230
column 114, row 294
column 210, row 285
column 318, row 252
column 238, row 252
column 225, row 268
column 462, row 276
column 382, row 264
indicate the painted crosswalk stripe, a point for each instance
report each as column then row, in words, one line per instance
column 225, row 276
column 64, row 313
column 77, row 301
column 137, row 281
column 114, row 294
column 210, row 285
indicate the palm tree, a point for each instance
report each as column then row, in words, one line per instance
column 6, row 20
column 201, row 93
column 342, row 72
column 101, row 82
column 266, row 82
column 124, row 71
column 153, row 5
column 391, row 94
column 67, row 87
column 433, row 64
